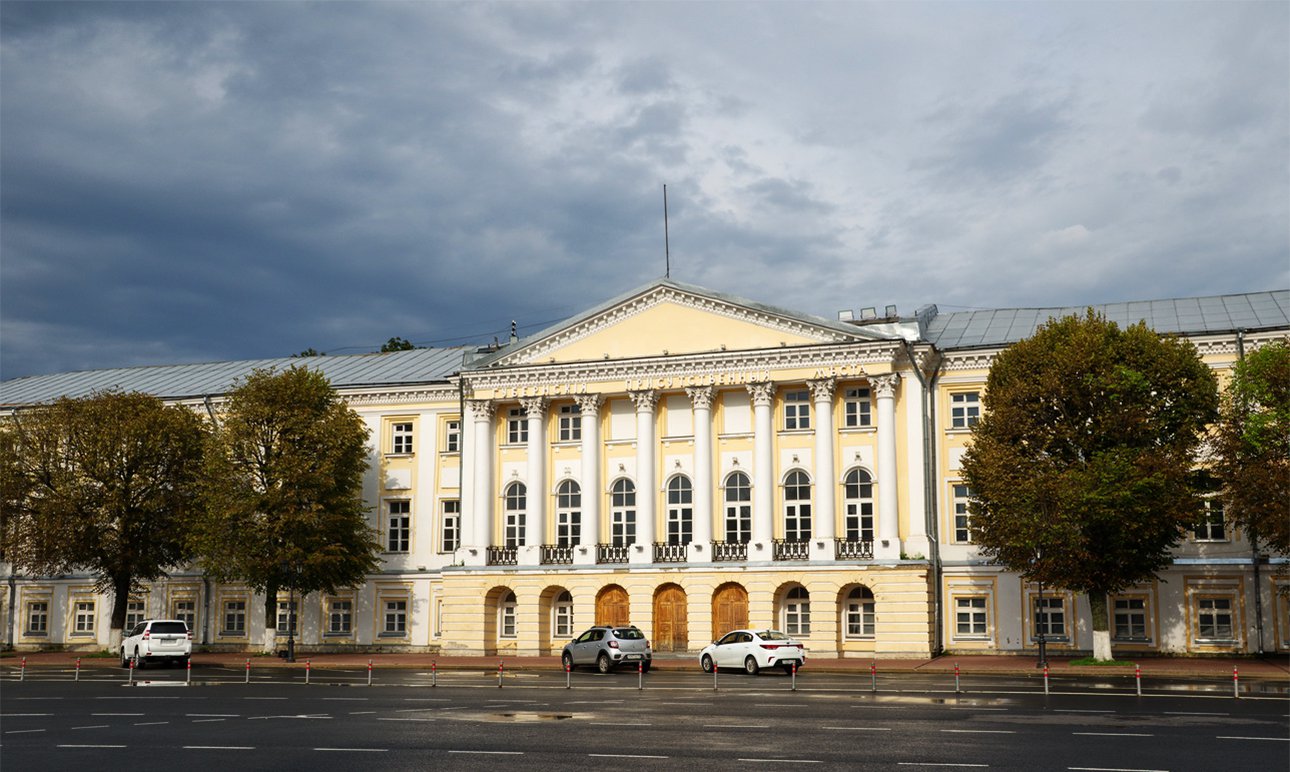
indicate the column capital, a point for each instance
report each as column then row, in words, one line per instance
column 644, row 399
column 884, row 386
column 700, row 396
column 822, row 389
column 534, row 407
column 589, row 403
column 762, row 393
column 480, row 409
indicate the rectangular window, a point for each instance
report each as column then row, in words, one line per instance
column 1049, row 618
column 234, row 617
column 507, row 620
column 83, row 618
column 563, row 620
column 401, row 442
column 517, row 427
column 797, row 410
column 1211, row 526
column 965, row 409
column 857, row 410
column 340, row 617
column 451, row 537
column 860, row 618
column 399, row 534
column 971, row 620
column 570, row 423
column 1214, row 619
column 187, row 611
column 134, row 613
column 288, row 617
column 452, row 436
column 568, row 528
column 396, row 618
column 1130, row 619
column 623, row 527
column 962, row 517
column 38, row 618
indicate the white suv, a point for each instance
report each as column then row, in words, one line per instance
column 163, row 640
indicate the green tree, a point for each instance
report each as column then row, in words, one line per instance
column 396, row 344
column 309, row 352
column 1252, row 446
column 285, row 508
column 108, row 484
column 1080, row 468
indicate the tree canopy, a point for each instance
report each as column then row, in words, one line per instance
column 1252, row 446
column 1079, row 469
column 396, row 344
column 108, row 483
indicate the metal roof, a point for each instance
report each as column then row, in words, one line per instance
column 423, row 365
column 1186, row 316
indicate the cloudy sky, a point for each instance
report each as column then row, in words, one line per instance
column 186, row 182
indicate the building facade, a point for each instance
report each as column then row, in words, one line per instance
column 690, row 462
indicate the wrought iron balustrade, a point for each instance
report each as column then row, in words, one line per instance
column 853, row 549
column 609, row 553
column 553, row 555
column 791, row 549
column 669, row 553
column 729, row 551
column 503, row 556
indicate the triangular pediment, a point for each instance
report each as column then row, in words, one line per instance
column 671, row 319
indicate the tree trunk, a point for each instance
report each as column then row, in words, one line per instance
column 120, row 603
column 1101, row 626
column 270, row 639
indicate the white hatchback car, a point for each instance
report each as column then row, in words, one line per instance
column 753, row 650
column 157, row 640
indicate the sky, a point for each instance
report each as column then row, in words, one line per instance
column 189, row 182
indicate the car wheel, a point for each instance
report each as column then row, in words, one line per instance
column 125, row 661
column 603, row 664
column 706, row 663
column 138, row 661
column 750, row 665
column 567, row 660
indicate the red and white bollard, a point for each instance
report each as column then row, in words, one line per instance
column 873, row 677
column 715, row 668
column 131, row 678
column 500, row 668
column 1045, row 679
column 22, row 674
column 188, row 671
column 956, row 678
column 78, row 668
column 1137, row 677
column 640, row 676
column 793, row 681
column 568, row 679
column 434, row 674
column 308, row 667
column 248, row 670
column 1236, row 684
column 369, row 672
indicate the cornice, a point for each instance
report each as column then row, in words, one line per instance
column 389, row 396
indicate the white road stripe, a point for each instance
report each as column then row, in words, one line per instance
column 980, row 731
column 782, row 761
column 1277, row 739
column 1114, row 769
column 219, row 747
column 361, row 712
column 619, row 723
column 935, row 764
column 117, row 714
column 860, row 728
column 1113, row 734
column 346, row 699
column 151, row 723
column 264, row 698
column 95, row 726
column 212, row 715
column 16, row 715
column 623, row 756
column 90, row 746
column 206, row 720
column 23, row 731
column 354, row 750
column 405, row 719
column 734, row 726
column 1073, row 710
column 493, row 753
column 1191, row 713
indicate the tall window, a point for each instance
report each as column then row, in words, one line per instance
column 396, row 619
column 234, row 617
column 680, row 510
column 516, row 507
column 187, row 611
column 568, row 514
column 83, row 618
column 401, row 438
column 517, row 427
column 738, row 508
column 506, row 616
column 622, row 513
column 859, row 505
column 563, row 613
column 450, row 539
column 971, row 618
column 570, row 423
column 797, row 410
column 1214, row 619
column 38, row 618
column 797, row 506
column 860, row 616
column 962, row 517
column 857, row 410
column 452, row 436
column 286, row 617
column 965, row 409
column 134, row 613
column 1130, row 619
column 340, row 617
column 1049, row 618
column 1211, row 525
column 399, row 533
column 797, row 611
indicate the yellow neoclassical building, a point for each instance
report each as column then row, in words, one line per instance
column 691, row 462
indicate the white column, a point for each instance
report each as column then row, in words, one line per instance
column 888, row 536
column 589, row 405
column 477, row 512
column 646, row 486
column 701, row 399
column 763, row 526
column 916, row 541
column 825, row 520
column 535, row 452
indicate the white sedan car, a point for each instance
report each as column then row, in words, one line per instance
column 753, row 650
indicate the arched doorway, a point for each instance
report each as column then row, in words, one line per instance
column 612, row 607
column 671, row 621
column 729, row 609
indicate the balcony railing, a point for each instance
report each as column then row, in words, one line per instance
column 502, row 556
column 608, row 553
column 552, row 555
column 787, row 549
column 853, row 549
column 729, row 551
column 669, row 553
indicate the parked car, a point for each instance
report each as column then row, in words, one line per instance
column 753, row 650
column 607, row 648
column 157, row 640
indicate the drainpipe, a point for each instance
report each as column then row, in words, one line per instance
column 1253, row 535
column 931, row 521
column 13, row 598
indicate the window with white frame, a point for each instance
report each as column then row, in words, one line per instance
column 797, row 410
column 962, row 515
column 83, row 617
column 134, row 613
column 37, row 618
column 450, row 535
column 562, row 613
column 568, row 514
column 185, row 609
column 287, row 617
column 401, row 438
column 971, row 617
column 234, row 617
column 797, row 506
column 517, row 426
column 398, row 535
column 1129, row 620
column 1048, row 618
column 857, row 409
column 738, row 508
column 680, row 510
column 395, row 624
column 860, row 613
column 570, row 423
column 516, row 507
column 622, row 513
column 965, row 409
column 858, row 505
column 340, row 616
column 506, row 616
column 1214, row 619
column 452, row 436
column 1211, row 526
column 797, row 611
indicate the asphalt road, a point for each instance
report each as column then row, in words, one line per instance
column 337, row 722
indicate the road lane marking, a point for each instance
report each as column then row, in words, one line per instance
column 406, row 719
column 1114, row 769
column 1075, row 710
column 346, row 699
column 151, row 723
column 974, row 707
column 860, row 728
column 23, row 731
column 782, row 761
column 117, row 714
column 264, row 698
column 618, row 723
column 981, row 731
column 493, row 753
column 734, row 726
column 206, row 720
column 95, row 726
column 354, row 750
column 212, row 715
column 425, row 699
column 936, row 764
column 16, row 715
column 219, row 747
column 624, row 756
column 1191, row 713
column 361, row 712
column 1276, row 739
column 1113, row 734
column 89, row 746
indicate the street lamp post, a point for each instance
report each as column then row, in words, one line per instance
column 1043, row 628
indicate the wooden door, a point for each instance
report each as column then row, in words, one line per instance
column 671, row 625
column 729, row 609
column 612, row 608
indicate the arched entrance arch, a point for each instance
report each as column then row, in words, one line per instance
column 612, row 607
column 671, row 619
column 729, row 609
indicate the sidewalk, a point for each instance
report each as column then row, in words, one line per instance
column 1275, row 667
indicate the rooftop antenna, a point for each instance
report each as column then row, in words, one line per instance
column 667, row 249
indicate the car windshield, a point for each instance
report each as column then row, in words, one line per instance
column 170, row 628
column 772, row 635
column 629, row 633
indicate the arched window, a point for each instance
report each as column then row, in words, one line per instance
column 797, row 506
column 622, row 513
column 516, row 506
column 859, row 613
column 797, row 611
column 738, row 508
column 680, row 510
column 859, row 505
column 568, row 514
column 506, row 616
column 562, row 615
